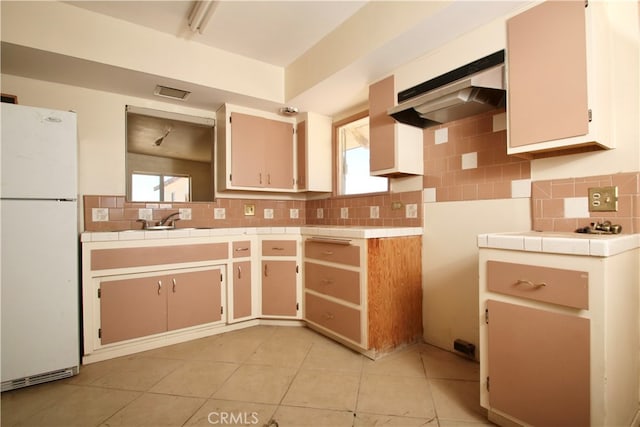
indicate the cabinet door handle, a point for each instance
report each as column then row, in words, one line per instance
column 531, row 284
column 159, row 286
column 174, row 284
column 265, row 270
column 260, row 177
column 239, row 272
column 269, row 178
column 328, row 316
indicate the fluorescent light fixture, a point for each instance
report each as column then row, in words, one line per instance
column 201, row 14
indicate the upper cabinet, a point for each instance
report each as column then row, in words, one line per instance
column 313, row 139
column 255, row 152
column 395, row 148
column 557, row 98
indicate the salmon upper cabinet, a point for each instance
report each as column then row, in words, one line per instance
column 395, row 148
column 254, row 152
column 558, row 97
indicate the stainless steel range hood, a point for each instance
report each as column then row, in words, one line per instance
column 451, row 97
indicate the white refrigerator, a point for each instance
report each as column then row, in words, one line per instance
column 40, row 336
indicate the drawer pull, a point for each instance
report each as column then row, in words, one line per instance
column 327, row 253
column 343, row 242
column 531, row 284
column 277, row 248
column 242, row 249
column 327, row 281
column 328, row 316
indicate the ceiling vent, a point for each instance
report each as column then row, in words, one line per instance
column 170, row 92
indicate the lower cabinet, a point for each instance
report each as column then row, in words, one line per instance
column 135, row 307
column 279, row 278
column 365, row 293
column 559, row 338
column 538, row 359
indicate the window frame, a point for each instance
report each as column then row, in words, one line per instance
column 162, row 177
column 336, row 151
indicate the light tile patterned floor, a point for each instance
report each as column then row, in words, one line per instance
column 252, row 376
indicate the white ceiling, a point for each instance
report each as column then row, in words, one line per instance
column 275, row 32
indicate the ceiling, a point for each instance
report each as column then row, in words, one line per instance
column 273, row 32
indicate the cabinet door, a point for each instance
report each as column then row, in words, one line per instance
column 241, row 289
column 381, row 126
column 538, row 365
column 247, row 150
column 279, row 289
column 301, row 143
column 279, row 154
column 547, row 80
column 132, row 308
column 194, row 298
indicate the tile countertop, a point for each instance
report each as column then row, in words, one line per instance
column 600, row 245
column 312, row 230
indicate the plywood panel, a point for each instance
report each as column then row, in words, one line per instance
column 394, row 271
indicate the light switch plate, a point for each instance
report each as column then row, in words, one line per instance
column 249, row 210
column 603, row 199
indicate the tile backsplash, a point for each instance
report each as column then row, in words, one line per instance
column 114, row 213
column 467, row 160
column 562, row 204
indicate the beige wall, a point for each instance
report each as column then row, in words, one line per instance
column 450, row 252
column 68, row 30
column 101, row 127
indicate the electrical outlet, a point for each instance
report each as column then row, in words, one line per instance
column 603, row 199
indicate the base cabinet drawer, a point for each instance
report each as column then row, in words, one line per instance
column 336, row 282
column 554, row 285
column 329, row 250
column 338, row 318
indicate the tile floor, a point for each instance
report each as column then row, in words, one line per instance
column 252, row 376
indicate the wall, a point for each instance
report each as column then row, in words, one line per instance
column 453, row 216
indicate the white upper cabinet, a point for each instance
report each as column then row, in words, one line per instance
column 313, row 138
column 557, row 80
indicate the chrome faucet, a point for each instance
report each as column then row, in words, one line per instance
column 169, row 217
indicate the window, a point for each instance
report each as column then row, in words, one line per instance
column 353, row 160
column 147, row 187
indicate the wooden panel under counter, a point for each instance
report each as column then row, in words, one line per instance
column 394, row 280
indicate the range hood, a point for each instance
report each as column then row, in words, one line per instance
column 466, row 91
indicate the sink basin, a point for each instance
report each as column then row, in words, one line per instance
column 160, row 227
